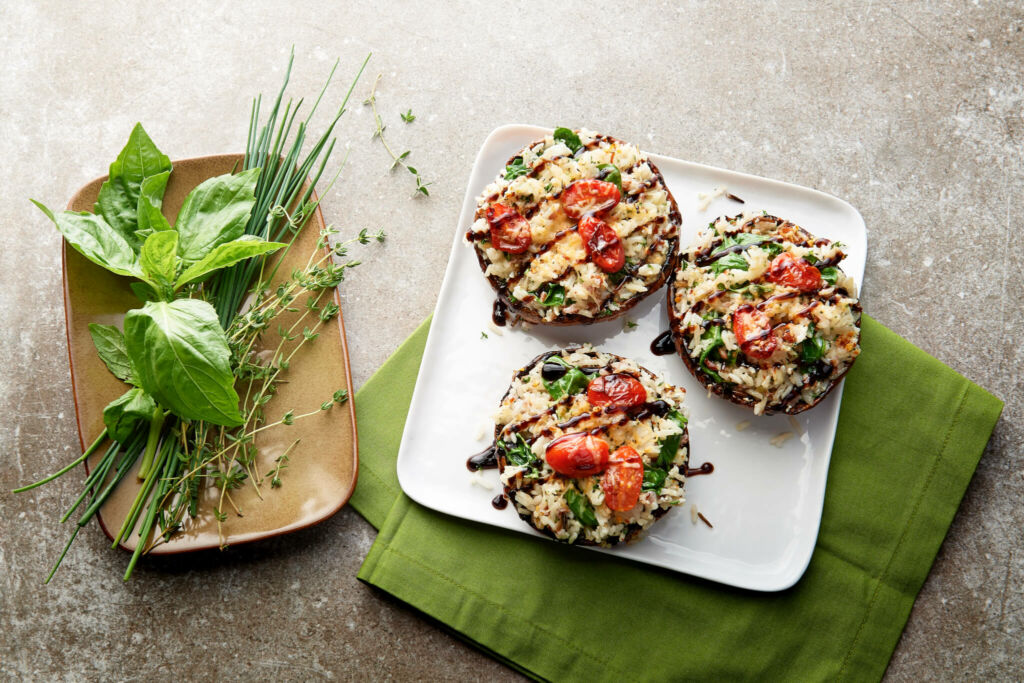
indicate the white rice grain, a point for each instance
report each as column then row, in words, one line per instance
column 779, row 439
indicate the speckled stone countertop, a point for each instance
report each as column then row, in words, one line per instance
column 915, row 115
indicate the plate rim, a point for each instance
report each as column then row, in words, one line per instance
column 171, row 549
column 783, row 581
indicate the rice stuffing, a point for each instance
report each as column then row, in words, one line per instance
column 591, row 447
column 763, row 315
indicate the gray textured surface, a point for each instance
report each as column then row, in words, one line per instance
column 913, row 114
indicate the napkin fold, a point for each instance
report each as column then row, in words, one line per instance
column 910, row 434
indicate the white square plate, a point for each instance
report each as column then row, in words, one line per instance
column 764, row 501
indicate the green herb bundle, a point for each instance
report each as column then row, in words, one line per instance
column 188, row 347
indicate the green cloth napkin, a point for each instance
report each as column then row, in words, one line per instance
column 910, row 434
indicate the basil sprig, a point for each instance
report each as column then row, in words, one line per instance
column 174, row 349
column 581, row 507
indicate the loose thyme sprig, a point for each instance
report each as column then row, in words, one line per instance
column 397, row 159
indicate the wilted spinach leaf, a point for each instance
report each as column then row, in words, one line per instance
column 714, row 333
column 813, row 348
column 581, row 507
column 670, row 445
column 654, row 478
column 551, row 294
column 516, row 169
column 732, row 261
column 572, row 382
column 571, row 140
column 610, row 174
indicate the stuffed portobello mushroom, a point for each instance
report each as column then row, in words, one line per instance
column 762, row 314
column 591, row 447
column 577, row 228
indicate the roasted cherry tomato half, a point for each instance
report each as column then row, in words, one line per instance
column 510, row 232
column 623, row 479
column 577, row 455
column 588, row 197
column 753, row 332
column 603, row 244
column 792, row 271
column 616, row 390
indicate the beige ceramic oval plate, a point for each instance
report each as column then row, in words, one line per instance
column 323, row 466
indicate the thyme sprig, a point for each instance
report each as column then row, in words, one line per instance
column 396, row 159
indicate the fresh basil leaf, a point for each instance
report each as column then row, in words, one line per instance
column 109, row 343
column 830, row 275
column 714, row 333
column 94, row 239
column 125, row 413
column 811, row 258
column 118, row 200
column 180, row 356
column 144, row 291
column 516, row 169
column 215, row 212
column 670, row 445
column 159, row 258
column 610, row 174
column 654, row 479
column 151, row 199
column 571, row 140
column 581, row 508
column 227, row 254
column 732, row 261
column 572, row 382
column 551, row 294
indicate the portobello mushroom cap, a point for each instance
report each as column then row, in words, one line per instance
column 646, row 219
column 814, row 329
column 530, row 418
